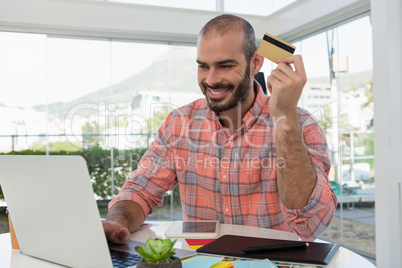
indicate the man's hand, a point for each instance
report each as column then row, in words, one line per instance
column 286, row 85
column 124, row 217
column 115, row 232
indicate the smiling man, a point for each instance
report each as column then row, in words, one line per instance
column 238, row 156
column 225, row 66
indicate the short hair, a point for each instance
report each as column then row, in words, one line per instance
column 226, row 23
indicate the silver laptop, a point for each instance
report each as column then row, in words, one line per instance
column 54, row 212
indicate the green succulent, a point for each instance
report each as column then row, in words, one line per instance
column 157, row 250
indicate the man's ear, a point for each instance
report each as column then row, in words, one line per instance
column 256, row 63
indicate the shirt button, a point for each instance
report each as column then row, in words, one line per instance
column 224, row 176
column 229, row 141
column 226, row 209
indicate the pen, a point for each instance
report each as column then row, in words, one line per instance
column 275, row 247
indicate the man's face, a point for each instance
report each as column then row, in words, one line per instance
column 223, row 71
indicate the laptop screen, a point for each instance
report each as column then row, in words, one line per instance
column 53, row 209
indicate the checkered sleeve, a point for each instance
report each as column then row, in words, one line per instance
column 155, row 174
column 310, row 221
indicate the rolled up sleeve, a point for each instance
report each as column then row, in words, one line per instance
column 154, row 176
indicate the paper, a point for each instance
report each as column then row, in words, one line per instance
column 194, row 247
column 198, row 242
column 220, row 262
column 254, row 264
column 201, row 261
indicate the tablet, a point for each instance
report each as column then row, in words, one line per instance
column 193, row 229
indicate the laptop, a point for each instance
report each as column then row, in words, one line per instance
column 55, row 215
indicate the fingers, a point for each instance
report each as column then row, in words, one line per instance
column 285, row 75
column 282, row 76
column 297, row 60
column 115, row 232
column 286, row 85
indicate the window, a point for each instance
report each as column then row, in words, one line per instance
column 23, row 66
column 76, row 94
column 88, row 96
column 343, row 104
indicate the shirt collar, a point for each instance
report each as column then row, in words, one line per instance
column 261, row 102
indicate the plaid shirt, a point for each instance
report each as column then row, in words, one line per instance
column 231, row 178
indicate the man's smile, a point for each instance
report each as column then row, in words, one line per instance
column 218, row 93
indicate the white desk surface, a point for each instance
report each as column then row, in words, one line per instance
column 343, row 259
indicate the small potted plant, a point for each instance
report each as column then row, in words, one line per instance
column 158, row 254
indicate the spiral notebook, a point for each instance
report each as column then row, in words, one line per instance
column 232, row 245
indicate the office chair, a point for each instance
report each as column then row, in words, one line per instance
column 261, row 80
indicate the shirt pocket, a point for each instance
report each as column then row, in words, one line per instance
column 249, row 173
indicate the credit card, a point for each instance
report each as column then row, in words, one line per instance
column 274, row 48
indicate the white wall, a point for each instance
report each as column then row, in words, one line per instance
column 387, row 85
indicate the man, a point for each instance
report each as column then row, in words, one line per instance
column 239, row 156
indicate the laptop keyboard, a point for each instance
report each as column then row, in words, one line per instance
column 124, row 259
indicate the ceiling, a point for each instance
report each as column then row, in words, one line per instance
column 104, row 19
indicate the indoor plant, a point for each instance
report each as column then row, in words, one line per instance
column 158, row 253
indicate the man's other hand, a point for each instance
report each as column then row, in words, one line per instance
column 123, row 218
column 115, row 232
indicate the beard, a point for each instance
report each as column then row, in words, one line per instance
column 239, row 93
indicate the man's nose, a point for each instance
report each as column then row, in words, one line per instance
column 213, row 77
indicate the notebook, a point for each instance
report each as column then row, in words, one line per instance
column 54, row 212
column 232, row 245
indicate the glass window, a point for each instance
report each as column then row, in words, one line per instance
column 354, row 77
column 77, row 70
column 23, row 87
column 89, row 96
column 65, row 95
column 339, row 94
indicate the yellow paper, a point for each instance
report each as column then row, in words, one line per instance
column 222, row 265
column 195, row 247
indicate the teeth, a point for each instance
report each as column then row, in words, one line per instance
column 219, row 92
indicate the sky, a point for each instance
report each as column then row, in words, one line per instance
column 33, row 64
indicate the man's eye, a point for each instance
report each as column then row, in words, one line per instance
column 202, row 66
column 226, row 66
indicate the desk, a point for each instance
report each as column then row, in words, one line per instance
column 343, row 259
